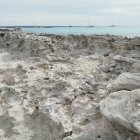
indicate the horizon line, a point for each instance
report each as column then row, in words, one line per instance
column 63, row 25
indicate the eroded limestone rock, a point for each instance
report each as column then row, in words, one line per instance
column 126, row 81
column 123, row 108
column 51, row 85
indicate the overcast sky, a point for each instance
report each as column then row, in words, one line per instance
column 66, row 12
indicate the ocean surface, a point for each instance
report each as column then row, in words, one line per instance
column 129, row 31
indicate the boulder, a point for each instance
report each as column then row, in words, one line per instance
column 123, row 108
column 120, row 58
column 136, row 66
column 126, row 81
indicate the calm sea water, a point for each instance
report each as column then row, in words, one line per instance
column 129, row 31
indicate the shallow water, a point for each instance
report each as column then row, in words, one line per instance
column 129, row 31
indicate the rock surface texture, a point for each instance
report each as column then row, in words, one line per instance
column 126, row 81
column 69, row 87
column 123, row 108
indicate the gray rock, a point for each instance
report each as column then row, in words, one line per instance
column 123, row 108
column 126, row 81
column 120, row 58
column 51, row 85
column 136, row 66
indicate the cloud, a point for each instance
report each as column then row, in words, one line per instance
column 62, row 12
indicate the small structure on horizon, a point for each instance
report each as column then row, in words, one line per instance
column 112, row 24
column 90, row 26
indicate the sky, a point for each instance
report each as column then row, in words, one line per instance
column 69, row 12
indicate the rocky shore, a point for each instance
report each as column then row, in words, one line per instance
column 71, row 87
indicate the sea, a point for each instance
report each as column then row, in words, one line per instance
column 128, row 31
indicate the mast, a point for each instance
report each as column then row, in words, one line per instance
column 70, row 25
column 89, row 22
column 90, row 25
column 112, row 24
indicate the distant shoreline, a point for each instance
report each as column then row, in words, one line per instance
column 37, row 26
column 44, row 26
column 92, row 26
column 77, row 30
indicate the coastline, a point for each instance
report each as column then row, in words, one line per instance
column 72, row 87
column 128, row 31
